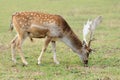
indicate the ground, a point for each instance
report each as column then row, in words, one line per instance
column 104, row 63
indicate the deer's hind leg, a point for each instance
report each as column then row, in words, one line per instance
column 13, row 46
column 19, row 43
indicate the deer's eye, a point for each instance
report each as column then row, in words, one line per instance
column 90, row 50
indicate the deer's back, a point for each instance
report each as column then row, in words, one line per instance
column 54, row 24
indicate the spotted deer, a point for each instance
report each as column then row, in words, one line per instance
column 48, row 26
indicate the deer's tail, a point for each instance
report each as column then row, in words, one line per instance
column 11, row 24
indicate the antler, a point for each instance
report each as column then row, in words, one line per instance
column 91, row 39
column 89, row 27
column 86, row 30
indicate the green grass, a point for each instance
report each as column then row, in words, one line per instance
column 104, row 64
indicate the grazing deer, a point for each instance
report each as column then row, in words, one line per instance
column 50, row 27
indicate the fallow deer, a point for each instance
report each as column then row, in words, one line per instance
column 48, row 26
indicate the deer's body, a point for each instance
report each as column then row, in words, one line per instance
column 51, row 27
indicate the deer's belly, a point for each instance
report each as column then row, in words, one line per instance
column 36, row 35
column 35, row 32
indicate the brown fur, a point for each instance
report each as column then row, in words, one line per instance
column 46, row 25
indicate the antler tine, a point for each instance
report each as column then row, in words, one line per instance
column 86, row 30
column 89, row 27
column 91, row 39
column 94, row 24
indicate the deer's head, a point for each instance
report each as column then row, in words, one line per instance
column 89, row 27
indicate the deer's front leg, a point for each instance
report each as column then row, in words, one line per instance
column 54, row 51
column 47, row 41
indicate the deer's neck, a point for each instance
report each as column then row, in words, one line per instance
column 72, row 41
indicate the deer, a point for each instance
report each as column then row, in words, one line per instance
column 52, row 28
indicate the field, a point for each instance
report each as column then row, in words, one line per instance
column 104, row 63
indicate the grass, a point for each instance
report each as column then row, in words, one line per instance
column 104, row 64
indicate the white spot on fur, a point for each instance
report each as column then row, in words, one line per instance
column 20, row 22
column 31, row 13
